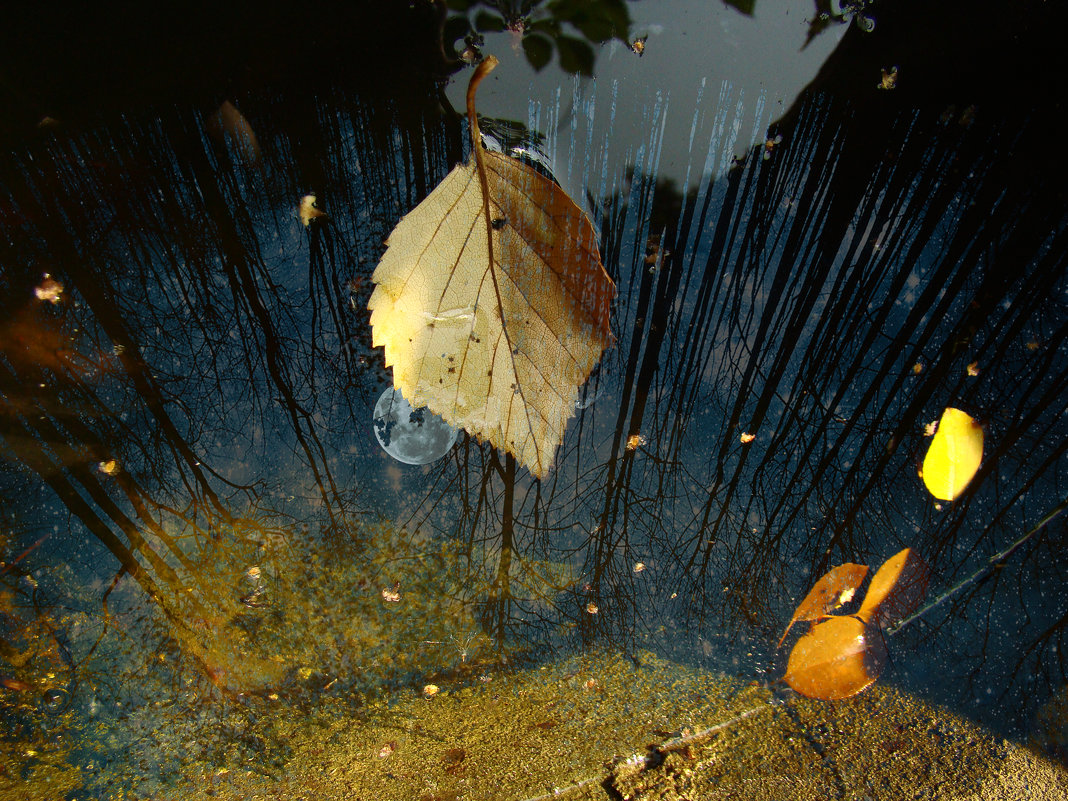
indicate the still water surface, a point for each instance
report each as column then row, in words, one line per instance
column 817, row 247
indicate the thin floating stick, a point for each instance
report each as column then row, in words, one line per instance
column 992, row 563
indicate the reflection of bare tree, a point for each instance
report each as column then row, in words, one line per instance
column 182, row 353
column 829, row 300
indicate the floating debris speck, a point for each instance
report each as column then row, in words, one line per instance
column 49, row 289
column 308, row 210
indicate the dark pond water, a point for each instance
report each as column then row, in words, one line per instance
column 825, row 227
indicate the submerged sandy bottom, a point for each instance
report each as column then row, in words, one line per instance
column 602, row 727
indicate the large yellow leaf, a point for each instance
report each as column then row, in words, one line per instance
column 492, row 303
column 954, row 455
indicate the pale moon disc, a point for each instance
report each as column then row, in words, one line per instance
column 412, row 436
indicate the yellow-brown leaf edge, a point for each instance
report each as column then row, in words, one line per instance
column 492, row 304
column 897, row 589
column 834, row 588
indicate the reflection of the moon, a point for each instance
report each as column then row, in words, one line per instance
column 412, row 436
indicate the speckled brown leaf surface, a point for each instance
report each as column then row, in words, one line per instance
column 492, row 303
column 837, row 659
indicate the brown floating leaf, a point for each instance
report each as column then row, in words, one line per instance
column 834, row 588
column 492, row 303
column 837, row 659
column 896, row 590
column 229, row 126
column 452, row 760
column 18, row 685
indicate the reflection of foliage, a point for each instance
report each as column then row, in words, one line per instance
column 828, row 13
column 543, row 26
column 744, row 6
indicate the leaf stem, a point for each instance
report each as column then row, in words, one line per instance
column 483, row 69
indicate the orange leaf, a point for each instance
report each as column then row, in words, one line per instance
column 834, row 588
column 896, row 589
column 837, row 659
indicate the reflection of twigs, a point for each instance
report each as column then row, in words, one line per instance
column 993, row 562
column 24, row 554
column 107, row 615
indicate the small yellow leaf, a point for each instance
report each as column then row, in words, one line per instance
column 635, row 441
column 973, row 369
column 837, row 659
column 309, row 211
column 746, row 438
column 49, row 289
column 109, row 467
column 896, row 590
column 954, row 455
column 834, row 588
column 492, row 304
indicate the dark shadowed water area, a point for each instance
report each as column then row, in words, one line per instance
column 826, row 222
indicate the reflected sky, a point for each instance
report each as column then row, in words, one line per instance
column 705, row 72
